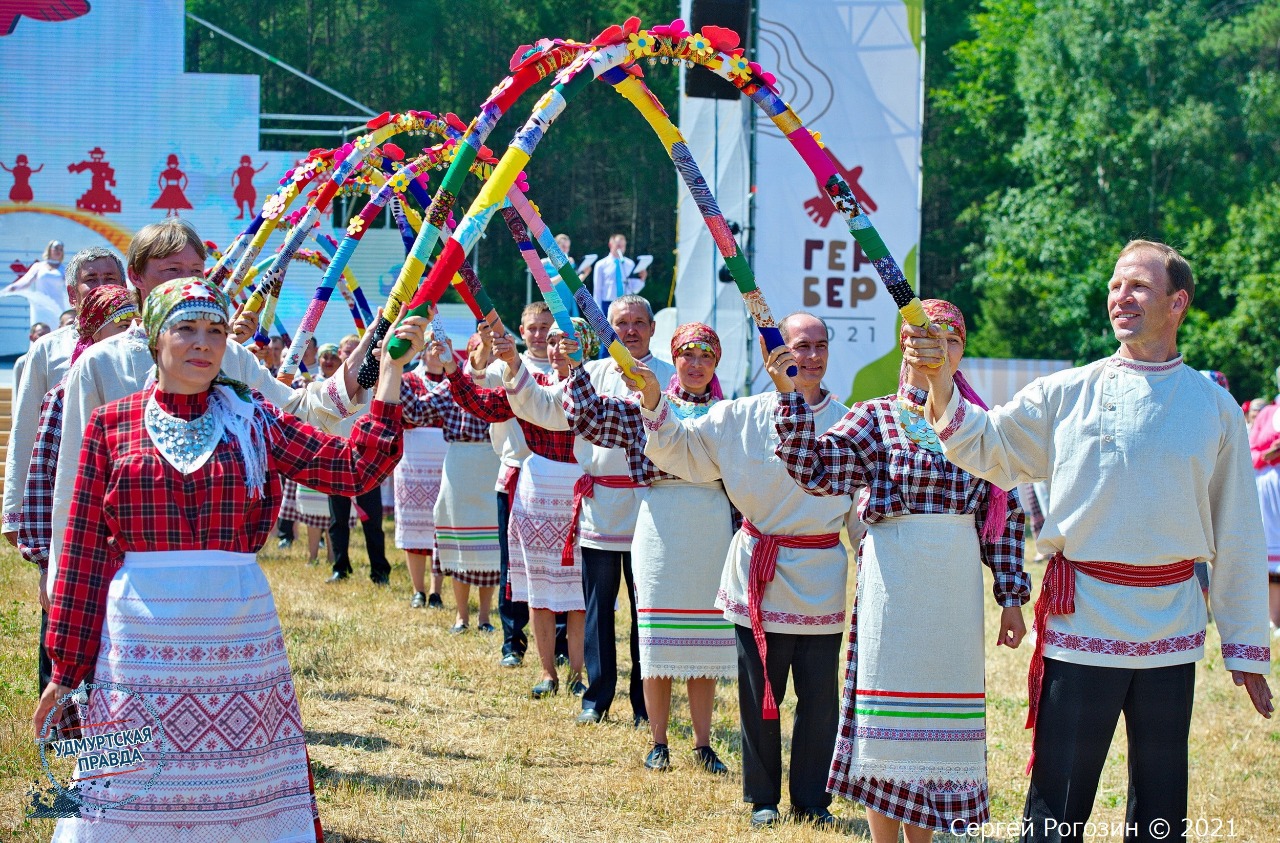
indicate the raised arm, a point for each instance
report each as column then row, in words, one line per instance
column 491, row 405
column 836, row 463
column 604, row 420
column 331, row 464
column 689, row 449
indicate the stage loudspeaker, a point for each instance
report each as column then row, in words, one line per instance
column 732, row 14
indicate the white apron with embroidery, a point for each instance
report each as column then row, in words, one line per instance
column 920, row 712
column 196, row 633
column 417, row 485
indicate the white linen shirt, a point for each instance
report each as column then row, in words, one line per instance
column 1145, row 464
column 45, row 366
column 608, row 519
column 735, row 442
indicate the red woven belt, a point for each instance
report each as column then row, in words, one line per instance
column 764, row 564
column 1058, row 597
column 586, row 488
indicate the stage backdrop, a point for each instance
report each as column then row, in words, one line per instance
column 101, row 132
column 852, row 71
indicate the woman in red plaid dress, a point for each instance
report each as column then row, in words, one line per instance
column 912, row 739
column 159, row 592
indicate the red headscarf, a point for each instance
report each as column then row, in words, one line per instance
column 947, row 316
column 696, row 335
column 107, row 303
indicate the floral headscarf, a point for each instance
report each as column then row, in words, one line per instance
column 944, row 314
column 696, row 335
column 587, row 338
column 181, row 299
column 108, row 303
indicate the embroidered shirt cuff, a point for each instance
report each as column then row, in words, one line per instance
column 1246, row 657
column 10, row 521
column 655, row 418
column 335, row 389
column 472, row 372
column 952, row 416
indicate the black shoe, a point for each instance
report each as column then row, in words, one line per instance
column 820, row 817
column 485, row 627
column 764, row 816
column 577, row 687
column 338, row 576
column 419, row 600
column 380, row 580
column 545, row 688
column 590, row 716
column 639, row 721
column 562, row 660
column 457, row 629
column 434, row 602
column 512, row 660
column 709, row 761
column 284, row 544
column 659, row 758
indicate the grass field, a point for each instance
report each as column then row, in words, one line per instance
column 417, row 735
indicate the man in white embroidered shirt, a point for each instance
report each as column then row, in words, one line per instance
column 1120, row 621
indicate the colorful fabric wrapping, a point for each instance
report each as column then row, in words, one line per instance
column 417, row 486
column 681, row 540
column 917, row 723
column 1058, row 597
column 540, row 522
column 764, row 563
column 466, row 512
column 234, row 711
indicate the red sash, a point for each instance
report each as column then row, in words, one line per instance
column 1058, row 597
column 586, row 488
column 764, row 564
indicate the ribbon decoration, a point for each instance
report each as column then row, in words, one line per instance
column 528, row 66
column 349, row 160
column 409, row 178
column 347, row 285
column 614, row 48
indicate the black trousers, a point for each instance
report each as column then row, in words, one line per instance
column 514, row 615
column 813, row 661
column 375, row 541
column 1079, row 708
column 45, row 667
column 284, row 529
column 602, row 574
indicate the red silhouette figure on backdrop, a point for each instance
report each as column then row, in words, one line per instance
column 172, row 182
column 21, row 190
column 820, row 209
column 45, row 10
column 97, row 199
column 19, row 268
column 245, row 195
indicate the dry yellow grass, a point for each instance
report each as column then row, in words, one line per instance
column 416, row 735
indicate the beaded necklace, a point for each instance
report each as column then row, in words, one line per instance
column 185, row 445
